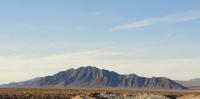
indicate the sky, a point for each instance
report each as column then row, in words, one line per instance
column 148, row 38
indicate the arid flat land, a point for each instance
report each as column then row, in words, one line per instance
column 93, row 93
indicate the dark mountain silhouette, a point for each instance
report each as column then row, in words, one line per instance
column 94, row 77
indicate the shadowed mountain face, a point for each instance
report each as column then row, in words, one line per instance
column 94, row 77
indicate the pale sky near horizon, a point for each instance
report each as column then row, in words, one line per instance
column 145, row 37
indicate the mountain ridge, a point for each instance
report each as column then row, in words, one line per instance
column 90, row 76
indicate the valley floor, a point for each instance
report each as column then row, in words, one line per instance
column 100, row 93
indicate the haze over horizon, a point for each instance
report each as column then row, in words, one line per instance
column 40, row 38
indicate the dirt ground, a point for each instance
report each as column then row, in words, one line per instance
column 82, row 93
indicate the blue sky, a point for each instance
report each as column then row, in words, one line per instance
column 149, row 38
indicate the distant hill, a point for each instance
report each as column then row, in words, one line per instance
column 94, row 77
column 192, row 84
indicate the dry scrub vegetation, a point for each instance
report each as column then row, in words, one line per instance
column 97, row 94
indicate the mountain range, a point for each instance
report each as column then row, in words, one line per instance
column 92, row 77
column 192, row 84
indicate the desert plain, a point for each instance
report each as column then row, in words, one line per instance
column 96, row 93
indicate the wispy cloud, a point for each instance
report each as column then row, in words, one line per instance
column 169, row 19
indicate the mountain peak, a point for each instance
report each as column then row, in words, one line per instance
column 89, row 68
column 91, row 76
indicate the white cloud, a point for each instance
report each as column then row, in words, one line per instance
column 136, row 24
column 169, row 19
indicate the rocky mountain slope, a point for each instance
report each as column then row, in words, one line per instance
column 95, row 77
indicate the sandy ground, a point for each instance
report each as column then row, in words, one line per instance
column 97, row 94
column 189, row 97
column 139, row 96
